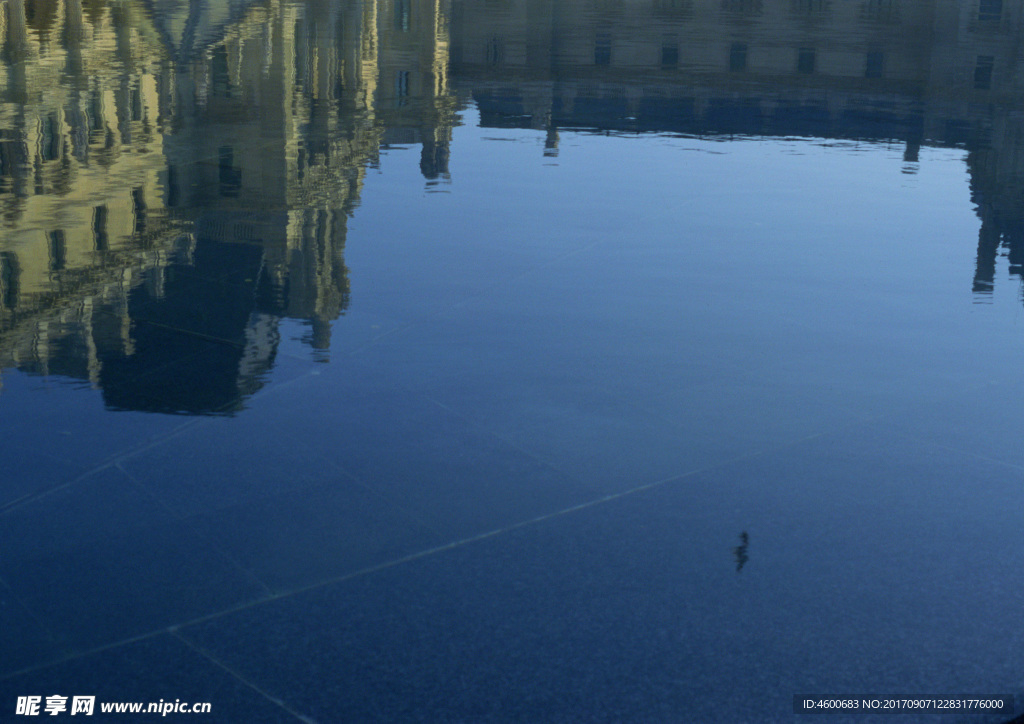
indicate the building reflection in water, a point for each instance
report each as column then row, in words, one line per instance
column 176, row 177
column 941, row 72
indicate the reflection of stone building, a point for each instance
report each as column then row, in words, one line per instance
column 176, row 176
column 714, row 66
column 276, row 122
column 80, row 165
column 977, row 90
column 413, row 100
column 260, row 157
column 692, row 66
column 941, row 72
column 198, row 172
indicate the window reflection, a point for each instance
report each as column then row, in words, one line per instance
column 990, row 10
column 603, row 49
column 738, row 57
column 983, row 72
column 805, row 60
column 874, row 65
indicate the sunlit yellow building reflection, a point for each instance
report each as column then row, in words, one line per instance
column 148, row 148
column 132, row 147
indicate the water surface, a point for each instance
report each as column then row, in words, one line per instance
column 511, row 360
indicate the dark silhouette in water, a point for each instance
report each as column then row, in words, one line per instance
column 740, row 551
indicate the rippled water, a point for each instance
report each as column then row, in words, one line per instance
column 511, row 359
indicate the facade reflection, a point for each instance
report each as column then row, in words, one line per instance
column 176, row 177
column 942, row 72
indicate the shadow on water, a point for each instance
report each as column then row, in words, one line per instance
column 176, row 177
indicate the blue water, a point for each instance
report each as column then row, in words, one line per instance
column 519, row 361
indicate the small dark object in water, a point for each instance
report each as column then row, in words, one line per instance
column 740, row 551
